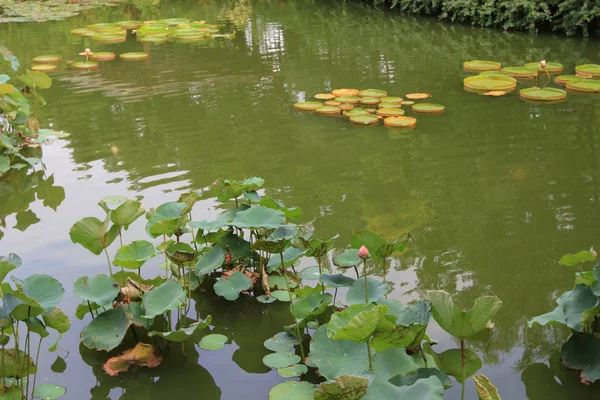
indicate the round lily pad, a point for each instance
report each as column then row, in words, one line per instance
column 521, row 72
column 308, row 105
column 418, row 96
column 103, row 56
column 372, row 93
column 390, row 112
column 324, row 96
column 355, row 111
column 428, row 108
column 44, row 67
column 109, row 38
column 344, row 92
column 400, row 122
column 90, row 33
column 586, row 85
column 49, row 391
column 154, row 39
column 85, row 66
column 328, row 110
column 82, row 31
column 173, row 21
column 103, row 26
column 346, row 106
column 280, row 359
column 130, row 24
column 292, row 371
column 46, row 59
column 543, row 94
column 501, row 73
column 348, row 99
column 332, row 103
column 563, row 79
column 188, row 36
column 392, row 99
column 295, row 390
column 371, row 110
column 551, row 67
column 490, row 82
column 133, row 56
column 390, row 105
column 370, row 101
column 408, row 103
column 588, row 69
column 213, row 341
column 479, row 65
column 366, row 119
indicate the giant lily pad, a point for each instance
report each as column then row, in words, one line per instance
column 348, row 99
column 370, row 101
column 564, row 79
column 46, row 290
column 292, row 390
column 85, row 66
column 134, row 255
column 418, row 96
column 130, row 24
column 308, row 105
column 142, row 355
column 44, row 67
column 335, row 358
column 345, row 387
column 543, row 94
column 328, row 110
column 168, row 296
column 230, row 288
column 372, row 93
column 592, row 86
column 389, row 105
column 479, row 65
column 356, row 293
column 109, row 38
column 392, row 100
column 390, row 112
column 135, row 56
column 344, row 92
column 490, row 82
column 355, row 111
column 400, row 122
column 428, row 108
column 521, row 72
column 100, row 289
column 51, row 59
column 592, row 70
column 154, row 39
column 364, row 119
column 107, row 330
column 324, row 96
column 551, row 67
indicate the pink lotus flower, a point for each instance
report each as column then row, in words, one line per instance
column 363, row 252
column 86, row 53
column 543, row 64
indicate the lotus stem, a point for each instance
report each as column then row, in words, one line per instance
column 120, row 236
column 356, row 270
column 334, row 296
column 320, row 273
column 108, row 261
column 462, row 359
column 423, row 355
column 287, row 284
column 366, row 283
column 384, row 269
column 90, row 307
column 166, row 259
column 37, row 357
column 370, row 357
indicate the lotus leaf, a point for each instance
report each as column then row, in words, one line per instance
column 400, row 122
column 142, row 355
column 265, row 300
column 16, row 364
column 423, row 389
column 292, row 371
column 292, row 390
column 100, row 289
column 180, row 253
column 543, row 94
column 422, row 373
column 372, row 93
column 356, row 323
column 166, row 219
column 478, row 65
column 93, row 234
column 111, row 203
column 290, row 256
column 311, row 305
column 589, row 69
column 336, row 280
column 345, row 387
column 378, row 247
column 127, row 212
column 36, row 79
column 9, row 263
column 259, row 217
column 428, row 108
column 355, row 111
column 281, row 342
column 390, row 112
column 409, row 337
column 328, row 110
column 348, row 99
column 356, row 293
column 49, row 391
column 134, row 255
column 564, row 79
column 182, row 334
column 85, row 66
column 450, row 362
column 344, row 92
column 280, row 359
column 521, row 72
column 292, row 213
column 582, row 352
column 370, row 100
column 107, row 330
column 417, row 313
column 551, row 67
column 57, row 320
column 44, row 289
column 490, row 82
column 35, row 325
column 278, row 282
column 308, row 105
column 213, row 342
column 168, row 296
column 283, row 295
column 44, row 68
column 485, row 389
column 347, row 259
column 364, row 119
column 584, row 86
column 310, row 274
column 230, row 288
column 324, row 96
column 136, row 56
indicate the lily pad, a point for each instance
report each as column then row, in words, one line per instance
column 134, row 255
column 230, row 288
column 389, row 105
column 154, row 39
column 142, row 355
column 332, row 103
column 280, row 359
column 109, row 38
column 390, row 112
column 324, row 96
column 49, row 391
column 83, row 32
column 344, row 92
column 490, row 82
column 356, row 293
column 44, row 289
column 283, row 295
column 366, row 119
column 564, row 79
column 346, row 106
column 355, row 111
column 328, row 110
column 588, row 69
column 543, row 94
column 372, row 93
column 292, row 390
column 107, row 330
column 592, row 86
column 51, row 59
column 130, row 24
column 521, row 72
column 428, row 108
column 551, row 67
column 335, row 358
column 281, row 342
column 167, row 296
column 103, row 56
column 213, row 341
column 308, row 105
column 85, row 66
column 392, row 100
column 100, row 289
column 136, row 56
column 292, row 371
column 348, row 99
column 400, row 122
column 336, row 280
column 44, row 67
column 418, row 96
column 479, row 65
column 370, row 101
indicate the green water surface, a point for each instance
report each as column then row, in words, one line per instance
column 495, row 190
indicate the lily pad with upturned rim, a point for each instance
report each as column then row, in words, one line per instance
column 543, row 94
column 408, row 103
column 390, row 112
column 392, row 99
column 370, row 101
column 332, row 103
column 324, row 96
column 400, row 122
column 328, row 110
column 501, row 73
column 82, row 32
column 348, row 99
column 52, row 59
column 355, row 111
column 154, row 39
column 521, row 72
column 109, row 38
column 85, row 66
column 346, row 106
column 479, row 65
column 564, row 79
column 490, row 82
column 588, row 69
column 390, row 105
column 418, row 96
column 588, row 85
column 551, row 67
column 366, row 119
column 103, row 56
column 428, row 108
column 130, row 24
column 44, row 67
column 372, row 93
column 344, row 92
column 308, row 105
column 103, row 26
column 139, row 56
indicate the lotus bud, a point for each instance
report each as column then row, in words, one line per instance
column 593, row 252
column 363, row 252
column 543, row 64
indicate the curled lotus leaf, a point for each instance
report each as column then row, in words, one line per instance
column 135, row 56
column 347, row 259
column 336, row 280
column 290, row 256
column 428, row 108
column 543, row 94
column 135, row 254
column 490, row 82
column 142, row 355
column 283, row 295
column 166, row 219
column 280, row 360
column 93, row 234
column 592, row 86
column 364, row 119
column 422, row 373
column 345, row 387
column 9, row 263
column 308, row 105
column 44, row 289
column 49, row 391
column 480, row 65
column 582, row 352
column 357, row 323
column 390, row 112
column 328, row 110
column 571, row 306
column 485, row 389
column 450, row 362
column 593, row 70
column 180, row 253
column 291, row 213
column 213, row 341
column 292, row 371
column 551, row 67
column 521, row 72
column 182, row 334
column 378, row 247
column 400, row 122
column 311, row 305
column 292, row 390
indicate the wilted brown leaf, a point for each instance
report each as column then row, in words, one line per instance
column 142, row 355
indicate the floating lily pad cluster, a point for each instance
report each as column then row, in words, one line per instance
column 368, row 107
column 495, row 80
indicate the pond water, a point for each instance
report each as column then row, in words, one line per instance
column 494, row 190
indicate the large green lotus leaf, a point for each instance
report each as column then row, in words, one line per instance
column 135, row 313
column 356, row 323
column 111, row 203
column 238, row 247
column 459, row 323
column 292, row 371
column 35, row 79
column 190, row 199
column 213, row 341
column 210, row 260
column 58, row 320
column 485, row 389
column 582, row 352
column 281, row 342
column 336, row 280
column 317, row 247
column 180, row 252
column 83, row 309
column 8, row 263
column 269, row 246
column 168, row 296
column 35, row 325
column 135, row 254
column 422, row 373
column 345, row 387
column 450, row 362
column 280, row 359
column 19, row 305
column 49, row 391
column 356, row 293
column 230, row 288
column 571, row 305
column 46, row 290
column 16, row 364
column 595, row 285
column 94, row 234
column 424, row 389
column 378, row 247
column 182, row 334
column 292, row 390
column 259, row 217
column 347, row 259
column 127, row 213
column 335, row 358
column 227, row 189
column 310, row 274
column 290, row 256
column 278, row 282
column 573, row 260
column 107, row 330
column 395, row 361
column 100, row 289
column 293, row 213
column 311, row 305
column 283, row 295
column 166, row 220
column 417, row 313
column 409, row 337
